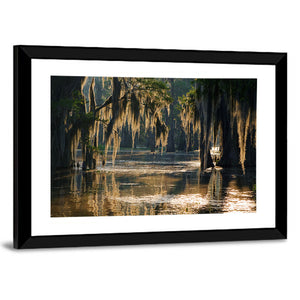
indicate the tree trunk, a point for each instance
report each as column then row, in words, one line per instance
column 250, row 150
column 205, row 157
column 229, row 137
column 170, row 121
column 61, row 139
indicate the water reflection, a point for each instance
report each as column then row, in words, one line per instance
column 160, row 185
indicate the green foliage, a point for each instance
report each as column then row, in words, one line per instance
column 156, row 89
column 187, row 100
column 87, row 143
column 74, row 106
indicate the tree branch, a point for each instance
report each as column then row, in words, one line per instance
column 107, row 102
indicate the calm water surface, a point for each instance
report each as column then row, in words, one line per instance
column 147, row 184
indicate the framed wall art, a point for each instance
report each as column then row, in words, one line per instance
column 141, row 146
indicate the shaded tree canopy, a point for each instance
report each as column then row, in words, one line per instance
column 77, row 117
column 224, row 107
column 96, row 112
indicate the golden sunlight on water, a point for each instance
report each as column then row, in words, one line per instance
column 159, row 185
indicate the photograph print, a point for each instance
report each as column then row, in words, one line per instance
column 131, row 146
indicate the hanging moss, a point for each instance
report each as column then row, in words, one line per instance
column 135, row 100
column 207, row 103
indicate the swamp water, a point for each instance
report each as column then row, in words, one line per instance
column 143, row 183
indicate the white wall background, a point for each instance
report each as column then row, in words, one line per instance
column 247, row 270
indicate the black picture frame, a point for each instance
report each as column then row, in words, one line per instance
column 23, row 56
